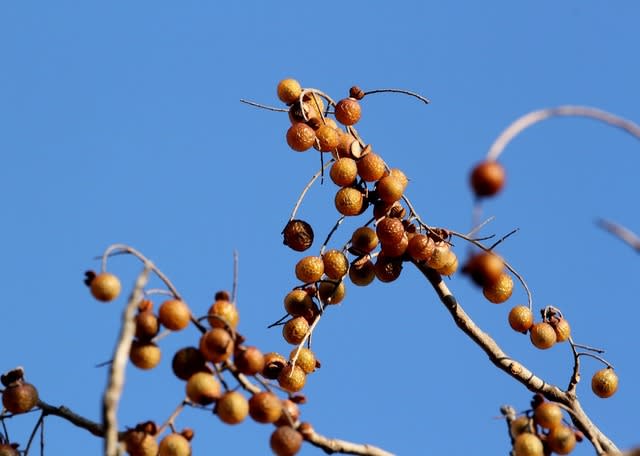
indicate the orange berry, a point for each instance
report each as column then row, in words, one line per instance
column 285, row 441
column 174, row 314
column 289, row 91
column 362, row 274
column 144, row 355
column 298, row 302
column 520, row 319
column 140, row 443
column 328, row 138
column 310, row 269
column 187, row 361
column 248, row 360
column 395, row 249
column 561, row 439
column 542, row 335
column 451, row 264
column 292, row 378
column 440, row 256
column 390, row 230
column 371, row 167
column 604, row 383
column 562, row 329
column 548, row 415
column 349, row 201
column 147, row 325
column 105, row 287
column 484, row 268
column 348, row 111
column 300, row 137
column 265, row 407
column 364, row 240
column 390, row 189
column 222, row 311
column 295, row 329
column 499, row 291
column 174, row 444
column 232, row 407
column 387, row 269
column 487, row 178
column 203, row 388
column 336, row 264
column 331, row 293
column 528, row 445
column 20, row 397
column 421, row 247
column 216, row 345
column 344, row 171
column 306, row 359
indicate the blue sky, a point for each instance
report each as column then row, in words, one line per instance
column 121, row 122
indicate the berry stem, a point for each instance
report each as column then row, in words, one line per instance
column 306, row 189
column 303, row 341
column 405, row 92
column 171, row 420
column 263, row 106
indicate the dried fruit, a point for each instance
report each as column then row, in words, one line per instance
column 216, row 345
column 348, row 111
column 390, row 189
column 300, row 137
column 289, row 410
column 390, row 230
column 20, row 397
column 147, row 325
column 562, row 329
column 500, row 290
column 362, row 273
column 289, row 91
column 440, row 256
column 144, row 354
column 542, row 335
column 487, row 178
column 105, row 287
column 174, row 444
column 528, row 445
column 295, row 329
column 421, row 247
column 298, row 235
column 187, row 361
column 364, row 240
column 203, row 388
column 140, row 443
column 387, row 269
column 331, row 293
column 336, row 264
column 328, row 138
column 174, row 314
column 344, row 172
column 561, row 439
column 349, row 201
column 265, row 407
column 371, row 167
column 232, row 407
column 298, row 303
column 604, row 383
column 223, row 312
column 484, row 268
column 520, row 319
column 306, row 359
column 273, row 365
column 285, row 441
column 292, row 378
column 548, row 415
column 310, row 269
column 248, row 360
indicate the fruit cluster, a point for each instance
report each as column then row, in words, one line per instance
column 543, row 431
column 220, row 350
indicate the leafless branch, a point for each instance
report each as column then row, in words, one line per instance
column 113, row 391
column 331, row 446
column 621, row 232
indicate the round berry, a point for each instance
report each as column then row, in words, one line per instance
column 310, row 269
column 548, row 415
column 187, row 361
column 203, row 388
column 349, row 201
column 216, row 345
column 604, row 383
column 421, row 247
column 336, row 264
column 331, row 293
column 364, row 240
column 371, row 167
column 306, row 359
column 499, row 291
column 520, row 319
column 542, row 335
column 144, row 355
column 562, row 329
column 300, row 137
column 298, row 235
column 232, row 407
column 484, row 268
column 487, row 178
column 265, row 407
column 528, row 445
column 328, row 138
column 289, row 91
column 20, row 397
column 344, row 172
column 298, row 302
column 174, row 444
column 248, row 360
column 387, row 269
column 174, row 314
column 273, row 365
column 105, row 287
column 390, row 189
column 285, row 441
column 362, row 274
column 147, row 325
column 390, row 230
column 295, row 329
column 223, row 312
column 561, row 439
column 348, row 111
column 292, row 378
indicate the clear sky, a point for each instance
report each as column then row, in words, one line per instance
column 121, row 122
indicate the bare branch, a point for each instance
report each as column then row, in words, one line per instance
column 621, row 232
column 331, row 446
column 120, row 357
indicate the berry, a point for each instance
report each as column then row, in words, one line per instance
column 331, row 293
column 273, row 365
column 499, row 291
column 105, row 287
column 401, row 176
column 310, row 269
column 520, row 319
column 292, row 378
column 222, row 311
column 527, row 445
column 421, row 247
column 285, row 441
column 147, row 325
column 216, row 345
column 561, row 439
column 203, row 388
column 328, row 138
column 174, row 444
column 140, row 443
column 344, row 172
column 289, row 410
column 20, row 397
column 9, row 450
column 548, row 415
column 300, row 137
column 265, row 407
column 336, row 264
column 487, row 178
column 395, row 249
column 306, row 359
column 390, row 189
column 289, row 91
column 298, row 303
column 364, row 240
column 362, row 274
column 542, row 335
column 248, row 360
column 174, row 314
column 144, row 355
column 382, row 209
column 295, row 330
column 349, row 201
column 484, row 268
column 562, row 329
column 371, row 167
column 390, row 230
column 440, row 256
column 387, row 269
column 298, row 235
column 232, row 407
column 187, row 361
column 520, row 425
column 348, row 111
column 604, row 383
column 451, row 264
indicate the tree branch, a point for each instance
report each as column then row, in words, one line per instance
column 331, row 446
column 515, row 369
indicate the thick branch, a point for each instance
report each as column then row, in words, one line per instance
column 331, row 446
column 515, row 369
column 77, row 420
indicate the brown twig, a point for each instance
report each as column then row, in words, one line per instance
column 115, row 384
column 263, row 106
column 170, row 421
column 234, row 288
column 39, row 423
column 515, row 369
column 306, row 189
column 341, row 446
column 405, row 92
column 303, row 341
column 77, row 420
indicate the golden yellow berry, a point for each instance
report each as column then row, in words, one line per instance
column 292, row 379
column 174, row 314
column 174, row 444
column 295, row 329
column 344, row 172
column 232, row 407
column 310, row 269
column 144, row 355
column 348, row 111
column 561, row 439
column 390, row 189
column 336, row 264
column 223, row 312
column 604, row 383
column 548, row 415
column 331, row 292
column 216, row 345
column 542, row 335
column 371, row 167
column 349, row 201
column 20, row 398
column 105, row 287
column 487, row 178
column 300, row 137
column 203, row 388
column 289, row 91
column 364, row 240
column 265, row 407
column 306, row 359
column 528, row 445
column 520, row 319
column 499, row 291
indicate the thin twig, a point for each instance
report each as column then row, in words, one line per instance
column 527, row 120
column 33, row 433
column 115, row 384
column 621, row 233
column 234, row 289
column 170, row 421
column 303, row 341
column 479, row 226
column 406, row 92
column 306, row 189
column 263, row 106
column 341, row 446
